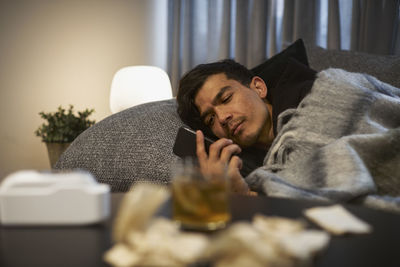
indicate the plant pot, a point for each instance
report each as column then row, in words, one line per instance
column 55, row 150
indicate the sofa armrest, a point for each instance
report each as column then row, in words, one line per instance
column 134, row 145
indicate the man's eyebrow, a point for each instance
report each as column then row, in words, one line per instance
column 217, row 98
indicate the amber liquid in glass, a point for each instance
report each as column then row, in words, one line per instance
column 199, row 204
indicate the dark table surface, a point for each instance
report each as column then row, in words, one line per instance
column 85, row 246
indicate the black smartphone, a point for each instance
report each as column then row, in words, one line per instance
column 185, row 146
column 185, row 143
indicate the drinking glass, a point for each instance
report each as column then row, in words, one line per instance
column 199, row 202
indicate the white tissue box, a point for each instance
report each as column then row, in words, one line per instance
column 36, row 198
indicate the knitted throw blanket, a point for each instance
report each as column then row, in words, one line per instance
column 342, row 143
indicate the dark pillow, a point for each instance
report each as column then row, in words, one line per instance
column 130, row 146
column 271, row 70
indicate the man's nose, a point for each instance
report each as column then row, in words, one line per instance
column 223, row 116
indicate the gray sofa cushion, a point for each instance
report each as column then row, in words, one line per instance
column 384, row 67
column 129, row 146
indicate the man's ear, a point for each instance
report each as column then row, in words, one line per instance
column 258, row 85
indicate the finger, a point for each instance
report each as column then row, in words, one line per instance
column 237, row 183
column 217, row 146
column 228, row 151
column 235, row 163
column 200, row 148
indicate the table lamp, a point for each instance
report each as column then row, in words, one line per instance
column 135, row 85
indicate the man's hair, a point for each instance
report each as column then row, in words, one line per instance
column 193, row 80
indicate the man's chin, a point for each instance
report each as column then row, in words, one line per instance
column 243, row 143
column 246, row 139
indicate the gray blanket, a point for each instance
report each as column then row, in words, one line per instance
column 342, row 143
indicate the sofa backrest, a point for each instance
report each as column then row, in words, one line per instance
column 384, row 67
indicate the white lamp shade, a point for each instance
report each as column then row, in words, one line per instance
column 136, row 85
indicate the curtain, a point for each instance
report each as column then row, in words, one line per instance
column 249, row 31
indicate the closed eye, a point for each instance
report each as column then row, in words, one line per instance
column 227, row 98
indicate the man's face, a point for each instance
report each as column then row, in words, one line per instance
column 235, row 111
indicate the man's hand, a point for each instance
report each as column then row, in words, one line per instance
column 221, row 161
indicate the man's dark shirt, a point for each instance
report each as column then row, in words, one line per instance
column 293, row 85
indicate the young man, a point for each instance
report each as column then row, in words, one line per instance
column 338, row 142
column 227, row 100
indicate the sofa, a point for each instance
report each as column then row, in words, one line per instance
column 135, row 145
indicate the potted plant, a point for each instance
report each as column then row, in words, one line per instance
column 61, row 128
